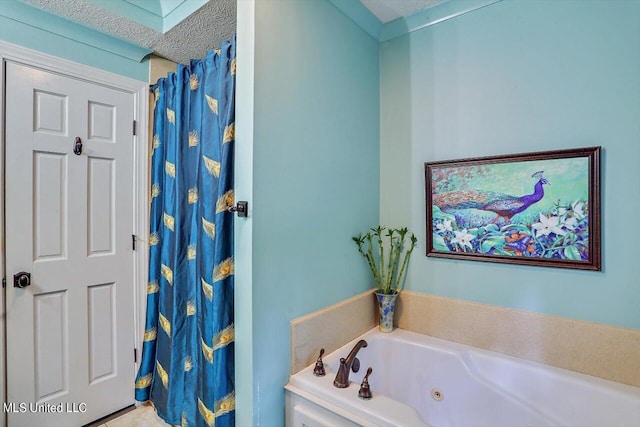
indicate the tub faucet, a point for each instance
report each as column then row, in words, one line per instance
column 348, row 364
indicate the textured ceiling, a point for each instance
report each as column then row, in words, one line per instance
column 203, row 30
column 388, row 10
column 200, row 32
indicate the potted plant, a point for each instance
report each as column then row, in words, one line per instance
column 387, row 257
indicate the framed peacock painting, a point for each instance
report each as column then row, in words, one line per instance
column 539, row 208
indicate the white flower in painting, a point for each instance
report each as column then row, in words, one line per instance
column 463, row 238
column 562, row 211
column 444, row 226
column 570, row 223
column 547, row 226
column 578, row 209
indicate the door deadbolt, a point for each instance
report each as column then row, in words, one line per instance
column 77, row 146
column 21, row 280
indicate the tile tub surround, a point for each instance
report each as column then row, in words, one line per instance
column 604, row 351
column 330, row 328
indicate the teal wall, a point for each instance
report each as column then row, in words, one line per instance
column 33, row 28
column 512, row 77
column 314, row 182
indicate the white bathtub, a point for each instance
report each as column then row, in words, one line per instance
column 478, row 388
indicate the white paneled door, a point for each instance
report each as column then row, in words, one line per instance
column 69, row 220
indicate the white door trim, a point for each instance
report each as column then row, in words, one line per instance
column 140, row 92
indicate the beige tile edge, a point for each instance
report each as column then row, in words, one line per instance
column 330, row 328
column 604, row 351
column 160, row 67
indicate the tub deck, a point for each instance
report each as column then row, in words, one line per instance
column 419, row 380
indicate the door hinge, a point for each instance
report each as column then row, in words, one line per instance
column 135, row 355
column 134, row 240
column 4, row 282
column 135, row 127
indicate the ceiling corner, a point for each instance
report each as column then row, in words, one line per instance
column 359, row 14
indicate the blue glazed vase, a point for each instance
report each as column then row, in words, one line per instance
column 386, row 308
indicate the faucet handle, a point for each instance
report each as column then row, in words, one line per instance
column 365, row 390
column 355, row 366
column 318, row 370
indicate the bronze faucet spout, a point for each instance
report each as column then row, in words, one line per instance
column 348, row 364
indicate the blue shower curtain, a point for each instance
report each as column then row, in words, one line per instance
column 187, row 366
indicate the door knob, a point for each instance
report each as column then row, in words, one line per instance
column 21, row 280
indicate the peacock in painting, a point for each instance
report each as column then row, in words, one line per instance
column 466, row 219
column 504, row 206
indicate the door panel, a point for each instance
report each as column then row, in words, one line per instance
column 102, row 357
column 101, row 215
column 50, row 347
column 49, row 205
column 50, row 113
column 69, row 220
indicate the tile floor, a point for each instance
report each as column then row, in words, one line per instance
column 143, row 416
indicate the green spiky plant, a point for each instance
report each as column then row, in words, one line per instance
column 388, row 270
